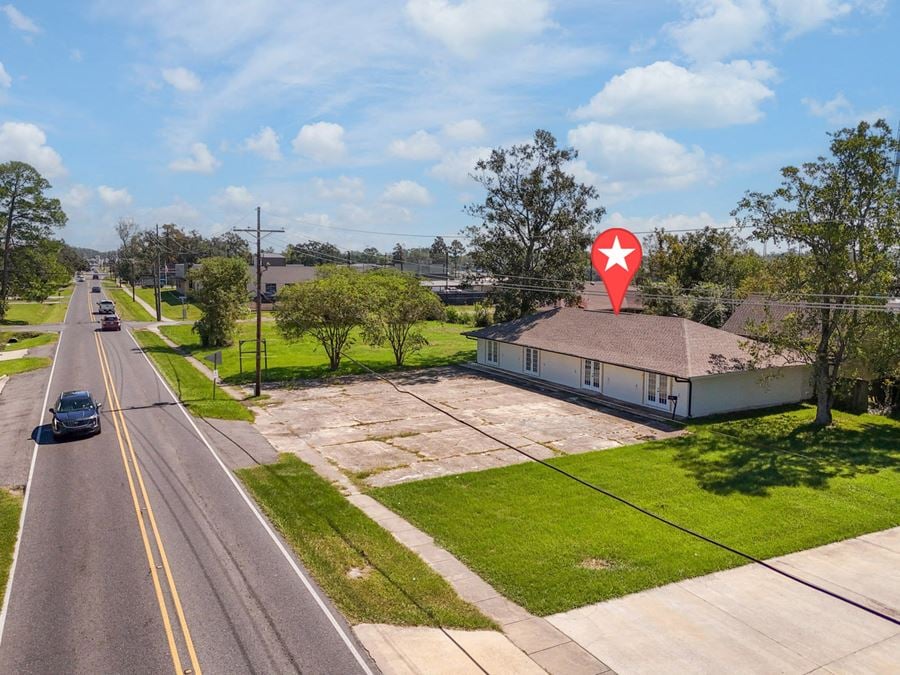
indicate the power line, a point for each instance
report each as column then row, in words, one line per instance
column 630, row 504
column 723, row 299
column 259, row 235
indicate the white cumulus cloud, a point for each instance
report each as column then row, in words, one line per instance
column 420, row 145
column 406, row 192
column 802, row 16
column 264, row 143
column 19, row 21
column 466, row 131
column 623, row 162
column 77, row 196
column 5, row 79
column 341, row 189
column 26, row 142
column 715, row 29
column 468, row 26
column 664, row 94
column 455, row 167
column 113, row 197
column 839, row 110
column 236, row 196
column 322, row 141
column 182, row 79
column 201, row 160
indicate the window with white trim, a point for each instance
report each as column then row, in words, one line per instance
column 591, row 377
column 491, row 351
column 532, row 360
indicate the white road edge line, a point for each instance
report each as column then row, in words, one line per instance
column 262, row 520
column 34, row 452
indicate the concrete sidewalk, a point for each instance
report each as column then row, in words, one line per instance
column 751, row 620
column 540, row 645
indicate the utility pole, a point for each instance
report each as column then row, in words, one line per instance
column 157, row 289
column 259, row 232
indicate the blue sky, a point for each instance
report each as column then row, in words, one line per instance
column 337, row 116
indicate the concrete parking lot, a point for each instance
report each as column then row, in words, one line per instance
column 373, row 432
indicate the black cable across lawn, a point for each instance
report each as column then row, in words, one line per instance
column 632, row 505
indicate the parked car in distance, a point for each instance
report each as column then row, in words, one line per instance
column 106, row 307
column 110, row 322
column 75, row 413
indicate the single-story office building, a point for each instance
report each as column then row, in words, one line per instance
column 666, row 364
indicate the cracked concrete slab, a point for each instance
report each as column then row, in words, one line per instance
column 362, row 424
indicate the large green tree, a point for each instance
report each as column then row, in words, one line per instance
column 536, row 225
column 220, row 292
column 313, row 253
column 28, row 215
column 397, row 304
column 328, row 309
column 709, row 256
column 842, row 213
column 38, row 273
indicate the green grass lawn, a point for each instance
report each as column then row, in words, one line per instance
column 10, row 510
column 126, row 308
column 307, row 359
column 16, row 366
column 26, row 340
column 337, row 542
column 171, row 304
column 27, row 313
column 191, row 387
column 773, row 485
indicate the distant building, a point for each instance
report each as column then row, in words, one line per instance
column 276, row 274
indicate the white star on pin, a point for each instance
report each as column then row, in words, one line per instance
column 616, row 255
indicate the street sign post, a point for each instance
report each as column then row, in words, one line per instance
column 216, row 359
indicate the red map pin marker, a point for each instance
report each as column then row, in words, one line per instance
column 616, row 255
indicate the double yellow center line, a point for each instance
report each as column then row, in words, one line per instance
column 144, row 513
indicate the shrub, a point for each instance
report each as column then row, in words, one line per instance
column 483, row 315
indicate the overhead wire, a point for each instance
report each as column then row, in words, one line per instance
column 630, row 504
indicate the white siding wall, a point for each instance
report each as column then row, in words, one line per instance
column 510, row 357
column 481, row 351
column 560, row 369
column 680, row 389
column 625, row 384
column 743, row 391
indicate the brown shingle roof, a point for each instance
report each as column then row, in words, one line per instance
column 663, row 344
column 595, row 298
column 758, row 310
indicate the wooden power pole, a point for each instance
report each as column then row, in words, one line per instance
column 258, row 232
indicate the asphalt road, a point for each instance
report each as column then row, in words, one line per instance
column 140, row 554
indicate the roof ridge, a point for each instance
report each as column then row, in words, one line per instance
column 687, row 345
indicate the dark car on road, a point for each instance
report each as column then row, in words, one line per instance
column 110, row 322
column 96, row 276
column 76, row 413
column 95, row 289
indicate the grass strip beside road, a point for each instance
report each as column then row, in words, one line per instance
column 170, row 304
column 10, row 510
column 126, row 308
column 773, row 485
column 193, row 389
column 28, row 313
column 26, row 340
column 305, row 359
column 23, row 365
column 369, row 575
